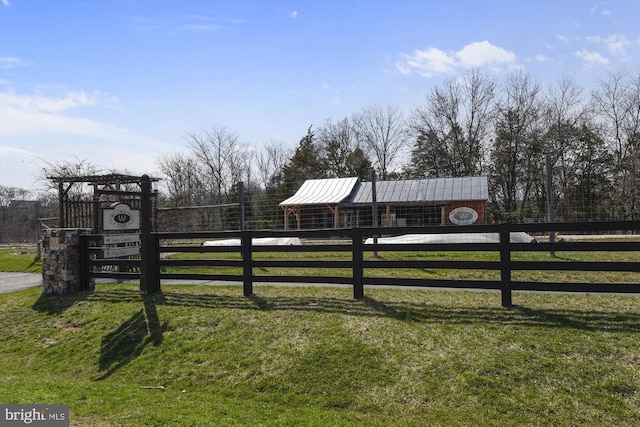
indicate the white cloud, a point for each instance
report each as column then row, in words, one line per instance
column 39, row 103
column 293, row 14
column 11, row 62
column 330, row 92
column 6, row 151
column 200, row 27
column 427, row 63
column 603, row 12
column 40, row 114
column 41, row 126
column 5, row 2
column 592, row 58
column 433, row 61
column 483, row 53
column 172, row 25
column 617, row 44
column 541, row 58
column 19, row 167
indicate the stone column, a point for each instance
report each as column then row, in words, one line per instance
column 61, row 264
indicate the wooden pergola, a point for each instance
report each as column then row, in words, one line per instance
column 107, row 184
column 296, row 211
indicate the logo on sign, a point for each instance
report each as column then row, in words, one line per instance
column 121, row 217
column 463, row 216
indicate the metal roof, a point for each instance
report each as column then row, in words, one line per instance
column 426, row 190
column 322, row 191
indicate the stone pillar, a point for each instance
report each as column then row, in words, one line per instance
column 61, row 266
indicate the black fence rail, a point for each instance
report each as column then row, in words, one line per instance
column 348, row 251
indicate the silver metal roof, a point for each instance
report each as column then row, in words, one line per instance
column 426, row 190
column 322, row 191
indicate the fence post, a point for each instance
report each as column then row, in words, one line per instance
column 374, row 211
column 241, row 197
column 247, row 270
column 85, row 262
column 357, row 261
column 505, row 265
column 149, row 274
column 550, row 212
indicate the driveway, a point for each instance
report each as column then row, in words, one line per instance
column 10, row 282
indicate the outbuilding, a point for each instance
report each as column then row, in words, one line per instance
column 347, row 202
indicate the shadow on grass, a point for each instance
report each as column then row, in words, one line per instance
column 129, row 340
column 34, row 262
column 402, row 311
column 57, row 304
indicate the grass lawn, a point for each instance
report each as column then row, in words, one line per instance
column 19, row 260
column 314, row 356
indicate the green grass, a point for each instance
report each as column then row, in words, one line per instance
column 314, row 356
column 22, row 260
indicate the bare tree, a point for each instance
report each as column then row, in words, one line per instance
column 223, row 159
column 182, row 179
column 451, row 129
column 9, row 202
column 336, row 141
column 271, row 160
column 565, row 117
column 382, row 131
column 341, row 150
column 617, row 104
column 517, row 155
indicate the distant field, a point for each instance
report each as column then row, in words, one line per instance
column 19, row 259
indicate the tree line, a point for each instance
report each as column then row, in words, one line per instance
column 475, row 125
column 504, row 129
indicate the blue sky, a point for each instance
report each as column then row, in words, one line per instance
column 119, row 83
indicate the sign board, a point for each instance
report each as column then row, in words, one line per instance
column 118, row 252
column 54, row 243
column 463, row 216
column 114, row 239
column 121, row 217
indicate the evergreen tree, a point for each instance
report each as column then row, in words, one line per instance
column 306, row 163
column 358, row 164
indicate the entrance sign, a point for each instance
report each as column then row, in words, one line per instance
column 120, row 217
column 118, row 252
column 463, row 216
column 114, row 239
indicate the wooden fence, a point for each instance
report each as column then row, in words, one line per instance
column 151, row 268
